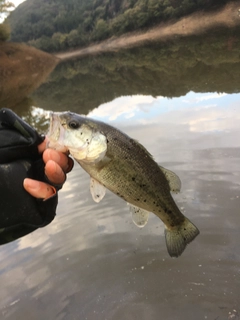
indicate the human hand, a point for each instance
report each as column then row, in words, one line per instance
column 57, row 165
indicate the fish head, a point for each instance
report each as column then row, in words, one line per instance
column 78, row 135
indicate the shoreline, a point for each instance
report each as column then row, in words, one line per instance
column 196, row 23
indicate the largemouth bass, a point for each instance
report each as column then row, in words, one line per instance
column 121, row 164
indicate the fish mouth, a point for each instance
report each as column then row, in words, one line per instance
column 55, row 121
column 55, row 135
column 54, row 126
column 51, row 125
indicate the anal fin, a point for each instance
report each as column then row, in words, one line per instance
column 139, row 216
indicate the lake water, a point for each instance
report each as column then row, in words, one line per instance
column 92, row 262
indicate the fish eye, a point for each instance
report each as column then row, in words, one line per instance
column 73, row 124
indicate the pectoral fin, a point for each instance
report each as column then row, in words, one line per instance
column 173, row 180
column 139, row 216
column 97, row 190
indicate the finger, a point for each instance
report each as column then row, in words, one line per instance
column 38, row 189
column 42, row 146
column 54, row 172
column 60, row 158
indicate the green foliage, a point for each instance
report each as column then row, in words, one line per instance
column 73, row 38
column 5, row 6
column 101, row 30
column 4, row 32
column 43, row 43
column 169, row 12
column 55, row 25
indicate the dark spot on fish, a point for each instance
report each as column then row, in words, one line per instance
column 98, row 195
column 168, row 211
column 133, row 179
column 184, row 239
column 81, row 133
column 144, row 200
column 115, row 139
column 138, row 199
column 107, row 141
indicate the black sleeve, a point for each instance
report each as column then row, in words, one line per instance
column 20, row 213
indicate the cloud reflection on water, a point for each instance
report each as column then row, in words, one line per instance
column 202, row 112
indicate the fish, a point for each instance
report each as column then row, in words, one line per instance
column 122, row 165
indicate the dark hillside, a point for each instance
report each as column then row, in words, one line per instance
column 56, row 25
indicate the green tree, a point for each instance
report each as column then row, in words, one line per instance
column 4, row 32
column 59, row 41
column 88, row 23
column 141, row 18
column 101, row 30
column 169, row 12
column 5, row 6
column 73, row 38
column 44, row 43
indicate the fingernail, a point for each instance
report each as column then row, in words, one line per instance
column 31, row 184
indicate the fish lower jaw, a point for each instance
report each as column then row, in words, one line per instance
column 56, row 146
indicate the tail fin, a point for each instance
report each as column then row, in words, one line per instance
column 178, row 238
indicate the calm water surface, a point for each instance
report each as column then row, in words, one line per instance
column 92, row 262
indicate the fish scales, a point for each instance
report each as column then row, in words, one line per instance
column 133, row 175
column 121, row 164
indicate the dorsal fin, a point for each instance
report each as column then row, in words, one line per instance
column 173, row 180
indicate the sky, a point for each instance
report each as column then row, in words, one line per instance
column 16, row 3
